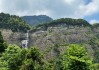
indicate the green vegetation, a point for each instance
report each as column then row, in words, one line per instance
column 77, row 59
column 65, row 22
column 12, row 22
column 16, row 58
column 2, row 44
column 96, row 25
column 62, row 44
column 70, row 21
column 35, row 20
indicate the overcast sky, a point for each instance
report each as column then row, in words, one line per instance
column 87, row 9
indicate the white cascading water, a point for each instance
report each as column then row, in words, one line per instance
column 25, row 42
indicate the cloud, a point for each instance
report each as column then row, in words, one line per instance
column 94, row 21
column 0, row 6
column 92, row 7
column 69, row 1
column 53, row 8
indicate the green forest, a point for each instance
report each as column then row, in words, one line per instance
column 13, row 22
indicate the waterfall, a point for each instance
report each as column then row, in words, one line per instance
column 26, row 40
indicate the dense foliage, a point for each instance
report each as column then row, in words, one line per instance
column 70, row 21
column 13, row 23
column 16, row 58
column 3, row 44
column 95, row 25
column 77, row 58
column 65, row 22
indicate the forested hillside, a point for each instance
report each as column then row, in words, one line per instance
column 64, row 22
column 62, row 44
column 13, row 22
column 35, row 20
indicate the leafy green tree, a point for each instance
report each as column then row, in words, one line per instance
column 15, row 58
column 33, row 60
column 11, row 57
column 76, row 59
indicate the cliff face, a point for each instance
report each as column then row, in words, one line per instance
column 59, row 35
column 12, row 37
column 51, row 36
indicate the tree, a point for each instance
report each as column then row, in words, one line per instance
column 3, row 44
column 33, row 60
column 15, row 58
column 11, row 56
column 76, row 59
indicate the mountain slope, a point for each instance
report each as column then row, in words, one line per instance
column 35, row 20
column 59, row 32
column 64, row 22
column 13, row 22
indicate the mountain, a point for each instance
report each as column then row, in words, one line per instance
column 52, row 38
column 13, row 22
column 64, row 22
column 65, row 31
column 60, row 32
column 35, row 20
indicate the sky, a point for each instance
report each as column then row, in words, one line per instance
column 86, row 9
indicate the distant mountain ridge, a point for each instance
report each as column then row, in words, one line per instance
column 35, row 20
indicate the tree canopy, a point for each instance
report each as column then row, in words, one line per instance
column 13, row 23
column 77, row 59
column 65, row 22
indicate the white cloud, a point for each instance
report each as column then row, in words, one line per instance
column 94, row 21
column 69, row 1
column 92, row 7
column 0, row 5
column 53, row 8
